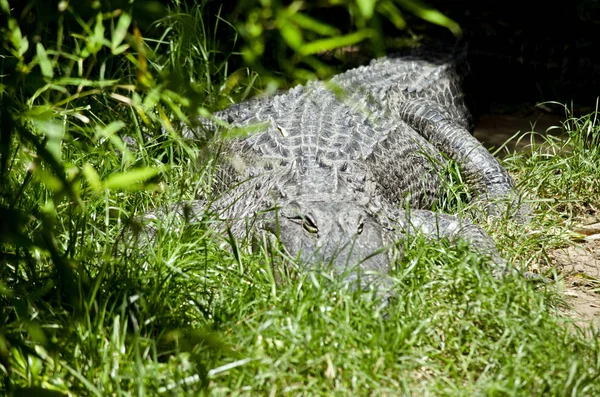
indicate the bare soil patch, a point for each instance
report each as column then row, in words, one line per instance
column 580, row 265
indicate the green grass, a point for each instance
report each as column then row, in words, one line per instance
column 81, row 315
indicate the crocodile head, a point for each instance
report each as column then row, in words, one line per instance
column 344, row 235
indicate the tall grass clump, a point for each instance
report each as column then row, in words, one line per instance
column 87, row 92
column 560, row 174
column 564, row 169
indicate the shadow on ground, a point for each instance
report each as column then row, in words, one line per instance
column 494, row 130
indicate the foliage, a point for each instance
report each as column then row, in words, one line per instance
column 565, row 167
column 297, row 34
column 83, row 97
column 90, row 96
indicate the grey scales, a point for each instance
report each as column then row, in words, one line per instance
column 337, row 171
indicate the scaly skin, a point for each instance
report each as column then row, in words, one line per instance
column 336, row 162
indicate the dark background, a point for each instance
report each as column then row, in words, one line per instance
column 530, row 51
column 520, row 52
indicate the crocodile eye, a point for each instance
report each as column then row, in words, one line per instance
column 307, row 222
column 360, row 227
column 309, row 225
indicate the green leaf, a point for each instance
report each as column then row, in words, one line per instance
column 120, row 49
column 335, row 42
column 5, row 291
column 152, row 97
column 99, row 29
column 131, row 180
column 15, row 33
column 5, row 7
column 47, row 178
column 120, row 31
column 233, row 80
column 366, row 7
column 86, row 82
column 314, row 25
column 236, row 250
column 430, row 15
column 240, row 132
column 392, row 13
column 37, row 333
column 292, row 35
column 54, row 131
column 92, row 178
column 97, row 39
column 20, row 43
column 45, row 64
column 110, row 129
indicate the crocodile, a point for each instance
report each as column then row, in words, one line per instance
column 336, row 172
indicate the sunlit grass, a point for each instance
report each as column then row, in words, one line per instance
column 86, row 311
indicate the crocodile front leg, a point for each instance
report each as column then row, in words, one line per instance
column 437, row 226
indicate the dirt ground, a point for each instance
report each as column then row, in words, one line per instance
column 579, row 263
column 580, row 266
